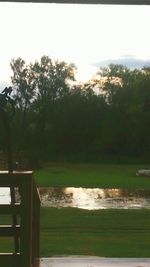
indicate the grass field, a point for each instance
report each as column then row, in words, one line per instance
column 106, row 233
column 92, row 175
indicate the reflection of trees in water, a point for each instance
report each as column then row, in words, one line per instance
column 55, row 192
column 112, row 193
column 135, row 193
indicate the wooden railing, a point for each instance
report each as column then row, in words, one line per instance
column 25, row 226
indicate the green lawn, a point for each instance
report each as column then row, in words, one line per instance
column 91, row 175
column 106, row 233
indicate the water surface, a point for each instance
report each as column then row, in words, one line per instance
column 95, row 198
column 88, row 198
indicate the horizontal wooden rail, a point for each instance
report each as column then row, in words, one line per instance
column 15, row 178
column 8, row 209
column 8, row 230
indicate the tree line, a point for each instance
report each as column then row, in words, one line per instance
column 56, row 118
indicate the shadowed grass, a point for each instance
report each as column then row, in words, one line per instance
column 106, row 233
column 92, row 175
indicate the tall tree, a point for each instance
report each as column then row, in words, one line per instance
column 24, row 93
column 52, row 80
column 23, row 83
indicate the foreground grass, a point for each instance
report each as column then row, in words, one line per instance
column 92, row 175
column 106, row 233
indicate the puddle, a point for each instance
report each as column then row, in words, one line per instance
column 95, row 198
column 88, row 198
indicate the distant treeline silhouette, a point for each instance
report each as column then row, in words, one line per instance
column 56, row 118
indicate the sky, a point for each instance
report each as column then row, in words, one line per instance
column 80, row 34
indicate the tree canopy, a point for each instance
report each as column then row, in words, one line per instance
column 56, row 118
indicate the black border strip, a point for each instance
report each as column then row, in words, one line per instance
column 107, row 2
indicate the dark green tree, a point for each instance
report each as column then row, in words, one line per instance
column 52, row 81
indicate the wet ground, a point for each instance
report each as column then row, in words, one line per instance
column 94, row 262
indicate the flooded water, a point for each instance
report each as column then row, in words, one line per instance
column 95, row 198
column 88, row 198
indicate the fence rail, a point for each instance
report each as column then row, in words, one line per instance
column 25, row 234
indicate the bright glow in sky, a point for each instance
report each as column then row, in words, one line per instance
column 81, row 34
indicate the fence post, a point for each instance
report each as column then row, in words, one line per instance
column 26, row 221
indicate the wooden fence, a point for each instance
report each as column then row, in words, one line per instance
column 25, row 226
